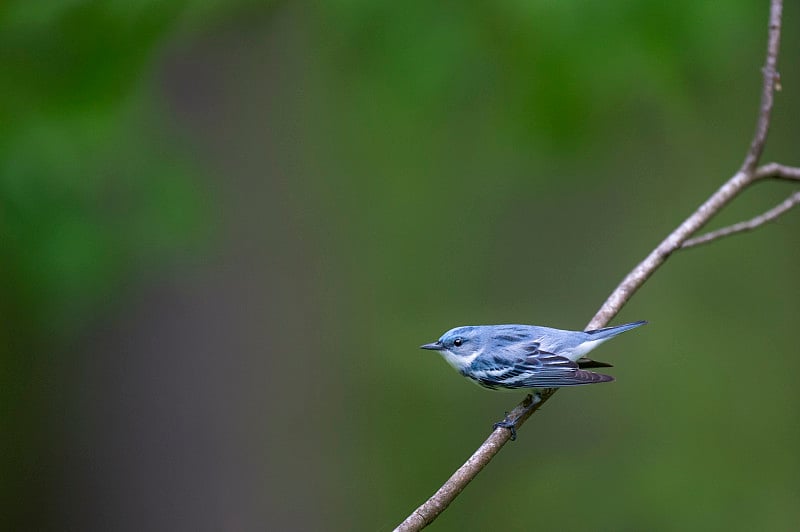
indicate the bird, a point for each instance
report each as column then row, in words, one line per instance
column 527, row 357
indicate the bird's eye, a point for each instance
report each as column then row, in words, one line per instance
column 457, row 342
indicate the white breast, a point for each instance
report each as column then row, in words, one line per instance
column 459, row 362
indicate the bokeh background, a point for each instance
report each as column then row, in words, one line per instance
column 226, row 226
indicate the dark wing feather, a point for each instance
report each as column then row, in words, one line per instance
column 553, row 371
column 586, row 363
column 533, row 369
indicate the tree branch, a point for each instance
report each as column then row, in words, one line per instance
column 746, row 175
column 778, row 171
column 770, row 78
column 771, row 170
column 748, row 225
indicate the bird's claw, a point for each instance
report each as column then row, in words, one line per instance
column 507, row 424
column 511, row 424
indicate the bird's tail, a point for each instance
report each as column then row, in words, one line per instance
column 608, row 332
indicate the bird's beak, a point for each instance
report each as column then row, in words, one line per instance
column 436, row 346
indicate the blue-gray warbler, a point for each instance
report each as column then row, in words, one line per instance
column 525, row 356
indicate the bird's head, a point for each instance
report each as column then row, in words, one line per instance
column 458, row 346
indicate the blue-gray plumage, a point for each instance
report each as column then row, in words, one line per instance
column 525, row 356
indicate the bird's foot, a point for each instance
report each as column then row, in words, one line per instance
column 511, row 424
column 507, row 423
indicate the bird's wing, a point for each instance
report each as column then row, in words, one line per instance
column 530, row 367
column 548, row 370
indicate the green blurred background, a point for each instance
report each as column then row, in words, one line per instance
column 227, row 226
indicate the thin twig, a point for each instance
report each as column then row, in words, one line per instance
column 778, row 171
column 771, row 170
column 770, row 79
column 748, row 225
column 429, row 510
